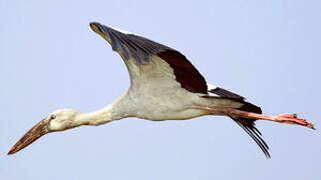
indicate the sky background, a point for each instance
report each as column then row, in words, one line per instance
column 267, row 51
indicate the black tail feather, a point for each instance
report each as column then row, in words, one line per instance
column 248, row 126
column 255, row 134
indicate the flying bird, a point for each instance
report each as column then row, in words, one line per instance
column 164, row 86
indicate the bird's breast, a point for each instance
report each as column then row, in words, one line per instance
column 162, row 103
column 155, row 94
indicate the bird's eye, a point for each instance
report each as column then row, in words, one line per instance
column 52, row 117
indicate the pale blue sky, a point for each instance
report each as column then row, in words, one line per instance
column 267, row 51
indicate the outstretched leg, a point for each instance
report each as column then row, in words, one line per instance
column 235, row 113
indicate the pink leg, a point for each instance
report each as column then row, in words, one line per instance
column 284, row 118
column 281, row 118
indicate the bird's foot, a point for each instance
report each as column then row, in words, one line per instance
column 281, row 118
column 292, row 119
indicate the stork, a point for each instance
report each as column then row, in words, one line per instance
column 164, row 86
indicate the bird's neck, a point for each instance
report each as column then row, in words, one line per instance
column 102, row 116
column 99, row 117
column 114, row 111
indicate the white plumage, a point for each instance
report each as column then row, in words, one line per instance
column 164, row 86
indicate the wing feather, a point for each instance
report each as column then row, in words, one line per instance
column 131, row 46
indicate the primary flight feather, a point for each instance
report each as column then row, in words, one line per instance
column 164, row 86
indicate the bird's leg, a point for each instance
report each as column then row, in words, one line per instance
column 281, row 118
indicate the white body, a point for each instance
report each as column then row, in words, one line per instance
column 154, row 94
column 164, row 86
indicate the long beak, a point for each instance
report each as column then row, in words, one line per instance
column 33, row 134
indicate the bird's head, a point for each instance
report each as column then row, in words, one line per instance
column 59, row 120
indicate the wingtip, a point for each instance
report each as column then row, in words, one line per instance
column 95, row 26
column 100, row 29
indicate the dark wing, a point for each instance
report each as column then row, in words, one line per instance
column 186, row 74
column 142, row 50
column 131, row 46
column 217, row 91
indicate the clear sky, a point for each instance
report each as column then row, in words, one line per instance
column 267, row 51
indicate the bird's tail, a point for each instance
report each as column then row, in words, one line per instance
column 248, row 126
